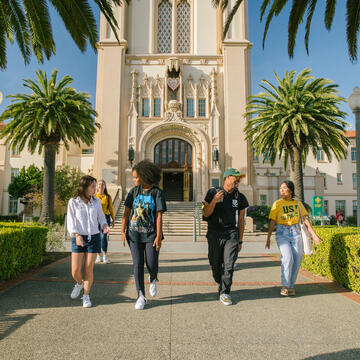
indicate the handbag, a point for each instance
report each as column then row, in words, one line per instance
column 305, row 234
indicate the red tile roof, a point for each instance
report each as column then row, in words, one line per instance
column 350, row 134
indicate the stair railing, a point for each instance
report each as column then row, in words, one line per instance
column 117, row 201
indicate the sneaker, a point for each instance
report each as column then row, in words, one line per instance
column 153, row 287
column 140, row 302
column 225, row 299
column 76, row 290
column 105, row 259
column 98, row 259
column 86, row 301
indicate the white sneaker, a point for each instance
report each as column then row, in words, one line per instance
column 86, row 301
column 98, row 259
column 225, row 299
column 140, row 302
column 153, row 287
column 105, row 259
column 76, row 290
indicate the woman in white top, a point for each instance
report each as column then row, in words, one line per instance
column 83, row 218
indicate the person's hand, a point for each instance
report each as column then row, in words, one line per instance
column 240, row 247
column 79, row 241
column 267, row 245
column 157, row 244
column 219, row 196
column 123, row 238
column 112, row 223
column 106, row 229
column 317, row 240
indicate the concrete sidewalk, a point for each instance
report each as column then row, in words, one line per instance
column 38, row 320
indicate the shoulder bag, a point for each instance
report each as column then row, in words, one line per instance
column 305, row 234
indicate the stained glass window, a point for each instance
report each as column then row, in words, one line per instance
column 190, row 107
column 183, row 27
column 164, row 27
column 157, row 107
column 145, row 107
column 202, row 108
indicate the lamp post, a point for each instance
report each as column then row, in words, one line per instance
column 354, row 104
column 131, row 155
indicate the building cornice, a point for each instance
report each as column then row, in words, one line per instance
column 110, row 43
column 238, row 43
column 160, row 59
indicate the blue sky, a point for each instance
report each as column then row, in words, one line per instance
column 328, row 56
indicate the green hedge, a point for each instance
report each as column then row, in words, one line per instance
column 22, row 246
column 337, row 257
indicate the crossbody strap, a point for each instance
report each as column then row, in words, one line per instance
column 299, row 207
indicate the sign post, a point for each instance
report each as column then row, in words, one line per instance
column 318, row 207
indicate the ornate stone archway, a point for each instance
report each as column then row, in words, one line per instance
column 185, row 131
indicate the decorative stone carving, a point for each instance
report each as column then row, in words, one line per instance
column 174, row 113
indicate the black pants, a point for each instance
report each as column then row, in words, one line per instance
column 140, row 252
column 223, row 253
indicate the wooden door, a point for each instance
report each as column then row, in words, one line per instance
column 186, row 186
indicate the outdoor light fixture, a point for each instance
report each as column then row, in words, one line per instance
column 131, row 155
column 216, row 155
column 354, row 104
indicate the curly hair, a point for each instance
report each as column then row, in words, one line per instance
column 85, row 182
column 148, row 172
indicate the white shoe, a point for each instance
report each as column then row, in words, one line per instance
column 140, row 302
column 225, row 299
column 98, row 259
column 153, row 287
column 76, row 290
column 105, row 259
column 86, row 301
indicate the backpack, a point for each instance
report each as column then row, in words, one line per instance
column 203, row 203
column 153, row 191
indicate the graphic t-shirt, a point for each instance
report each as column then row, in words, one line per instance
column 226, row 212
column 144, row 205
column 286, row 212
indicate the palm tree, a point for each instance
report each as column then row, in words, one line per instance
column 53, row 113
column 298, row 115
column 29, row 24
column 300, row 10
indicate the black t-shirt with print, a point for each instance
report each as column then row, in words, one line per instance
column 226, row 212
column 144, row 205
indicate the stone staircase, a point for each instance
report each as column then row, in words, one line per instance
column 177, row 220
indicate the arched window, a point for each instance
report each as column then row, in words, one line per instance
column 173, row 153
column 183, row 27
column 164, row 27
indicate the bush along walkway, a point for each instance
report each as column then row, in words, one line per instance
column 38, row 320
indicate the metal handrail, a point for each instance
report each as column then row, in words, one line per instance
column 117, row 201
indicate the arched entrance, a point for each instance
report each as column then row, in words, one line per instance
column 175, row 158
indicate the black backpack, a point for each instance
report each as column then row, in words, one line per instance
column 153, row 191
column 203, row 203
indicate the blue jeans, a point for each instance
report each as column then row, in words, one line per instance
column 104, row 237
column 289, row 241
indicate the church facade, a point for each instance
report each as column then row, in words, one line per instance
column 174, row 92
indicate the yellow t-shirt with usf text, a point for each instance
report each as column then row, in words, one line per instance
column 286, row 212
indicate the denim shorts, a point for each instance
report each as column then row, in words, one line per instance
column 92, row 246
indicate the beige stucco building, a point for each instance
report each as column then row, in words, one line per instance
column 173, row 92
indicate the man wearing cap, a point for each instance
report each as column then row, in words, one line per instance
column 224, row 210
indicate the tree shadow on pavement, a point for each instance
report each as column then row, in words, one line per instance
column 350, row 354
column 9, row 323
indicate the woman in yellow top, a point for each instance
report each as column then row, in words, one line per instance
column 285, row 215
column 108, row 210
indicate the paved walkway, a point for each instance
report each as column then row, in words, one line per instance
column 185, row 321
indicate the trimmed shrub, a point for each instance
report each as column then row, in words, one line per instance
column 22, row 246
column 337, row 257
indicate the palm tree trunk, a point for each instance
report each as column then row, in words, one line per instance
column 48, row 205
column 296, row 173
